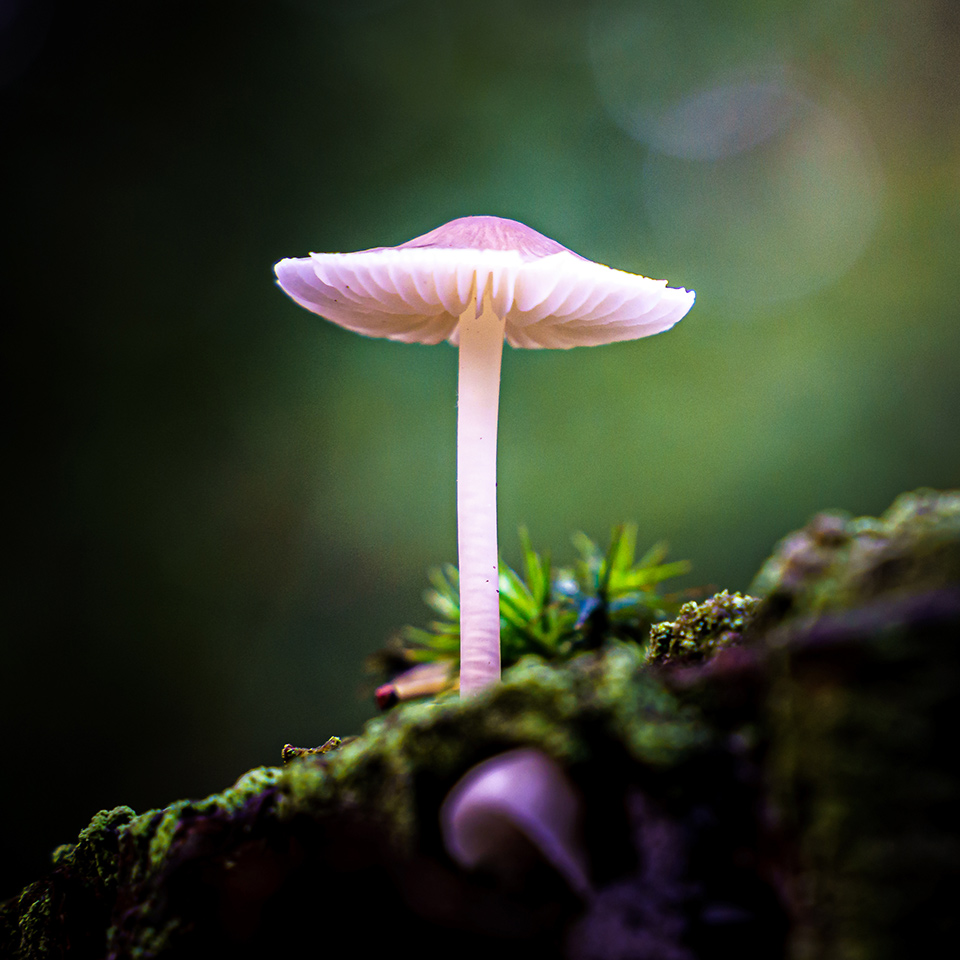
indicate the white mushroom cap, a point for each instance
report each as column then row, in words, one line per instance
column 521, row 791
column 416, row 292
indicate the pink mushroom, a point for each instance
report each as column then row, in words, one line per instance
column 521, row 792
column 475, row 281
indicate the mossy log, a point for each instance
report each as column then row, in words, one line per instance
column 767, row 779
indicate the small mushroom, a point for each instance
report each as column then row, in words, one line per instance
column 510, row 803
column 422, row 680
column 475, row 281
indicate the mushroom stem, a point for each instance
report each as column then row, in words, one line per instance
column 481, row 347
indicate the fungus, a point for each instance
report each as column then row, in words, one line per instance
column 475, row 281
column 509, row 805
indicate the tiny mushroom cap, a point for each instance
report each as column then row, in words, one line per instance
column 475, row 282
column 516, row 798
column 547, row 295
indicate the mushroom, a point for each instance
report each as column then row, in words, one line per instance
column 510, row 803
column 474, row 281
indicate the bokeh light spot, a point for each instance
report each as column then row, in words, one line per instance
column 646, row 59
column 724, row 120
column 775, row 221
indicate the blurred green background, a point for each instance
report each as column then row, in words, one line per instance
column 220, row 504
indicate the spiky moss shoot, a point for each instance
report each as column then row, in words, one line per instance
column 555, row 613
column 701, row 629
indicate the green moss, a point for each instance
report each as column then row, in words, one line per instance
column 863, row 767
column 541, row 704
column 83, row 883
column 155, row 830
column 554, row 613
column 838, row 561
column 94, row 854
column 701, row 629
column 30, row 919
column 837, row 708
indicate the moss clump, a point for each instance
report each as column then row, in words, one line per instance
column 795, row 795
column 154, row 844
column 188, row 878
column 159, row 829
column 861, row 719
column 701, row 629
column 859, row 621
column 838, row 561
column 540, row 704
column 74, row 903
